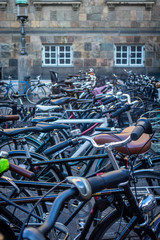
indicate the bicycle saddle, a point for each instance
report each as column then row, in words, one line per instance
column 43, row 127
column 26, row 78
column 48, row 108
column 62, row 101
column 16, row 131
column 135, row 147
column 77, row 90
column 46, row 127
column 56, row 96
column 43, row 119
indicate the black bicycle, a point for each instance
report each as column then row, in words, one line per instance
column 129, row 214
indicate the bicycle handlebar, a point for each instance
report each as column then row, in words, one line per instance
column 109, row 100
column 143, row 126
column 60, row 146
column 8, row 118
column 125, row 108
column 98, row 183
column 21, row 171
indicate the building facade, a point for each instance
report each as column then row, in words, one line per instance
column 68, row 36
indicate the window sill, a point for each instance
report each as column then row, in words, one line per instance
column 113, row 3
column 74, row 3
column 3, row 4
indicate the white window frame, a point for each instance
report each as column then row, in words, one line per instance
column 59, row 55
column 128, row 56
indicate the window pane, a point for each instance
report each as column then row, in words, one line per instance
column 46, row 48
column 132, row 55
column 68, row 55
column 139, row 48
column 124, row 48
column 124, row 61
column 61, row 55
column 68, row 48
column 61, row 61
column 118, row 48
column 133, row 48
column 47, row 61
column 118, row 54
column 139, row 55
column 62, row 48
column 47, row 55
column 68, row 61
column 132, row 61
column 124, row 55
column 118, row 61
column 53, row 48
column 53, row 55
column 138, row 61
column 53, row 61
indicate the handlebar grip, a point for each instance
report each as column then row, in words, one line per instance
column 109, row 180
column 109, row 100
column 121, row 110
column 60, row 146
column 8, row 118
column 137, row 133
column 21, row 171
column 143, row 126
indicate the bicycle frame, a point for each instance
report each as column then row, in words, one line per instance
column 16, row 90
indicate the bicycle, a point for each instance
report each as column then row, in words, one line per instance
column 32, row 92
column 36, row 163
column 130, row 217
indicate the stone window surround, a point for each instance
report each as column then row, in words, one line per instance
column 113, row 3
column 74, row 3
column 3, row 4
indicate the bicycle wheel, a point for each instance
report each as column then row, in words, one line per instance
column 8, row 144
column 13, row 215
column 5, row 109
column 3, row 91
column 11, row 92
column 111, row 227
column 35, row 93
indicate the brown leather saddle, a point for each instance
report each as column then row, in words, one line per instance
column 135, row 147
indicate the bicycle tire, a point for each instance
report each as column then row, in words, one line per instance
column 9, row 192
column 35, row 93
column 5, row 109
column 112, row 225
column 8, row 144
column 3, row 91
column 11, row 92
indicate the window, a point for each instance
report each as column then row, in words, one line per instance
column 53, row 55
column 129, row 55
